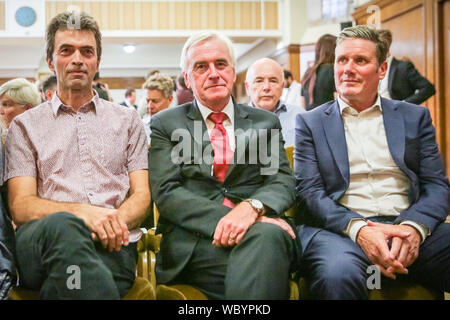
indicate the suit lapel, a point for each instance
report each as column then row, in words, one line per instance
column 201, row 142
column 335, row 134
column 395, row 132
column 242, row 123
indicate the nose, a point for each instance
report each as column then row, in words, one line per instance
column 76, row 57
column 349, row 67
column 266, row 85
column 213, row 73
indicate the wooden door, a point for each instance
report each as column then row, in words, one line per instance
column 446, row 76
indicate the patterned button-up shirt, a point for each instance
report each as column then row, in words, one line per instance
column 79, row 157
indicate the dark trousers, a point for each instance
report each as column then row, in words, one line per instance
column 258, row 268
column 57, row 256
column 336, row 267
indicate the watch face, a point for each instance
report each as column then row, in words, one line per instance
column 257, row 204
column 25, row 16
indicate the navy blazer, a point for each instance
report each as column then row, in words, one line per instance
column 322, row 172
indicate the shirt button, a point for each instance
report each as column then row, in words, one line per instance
column 91, row 194
column 224, row 190
column 82, row 143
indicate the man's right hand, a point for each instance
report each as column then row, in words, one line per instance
column 373, row 240
column 107, row 227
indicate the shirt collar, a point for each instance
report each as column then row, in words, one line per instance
column 343, row 105
column 228, row 110
column 56, row 103
column 281, row 107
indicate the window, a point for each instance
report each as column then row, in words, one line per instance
column 332, row 9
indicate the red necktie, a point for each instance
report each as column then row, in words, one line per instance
column 222, row 150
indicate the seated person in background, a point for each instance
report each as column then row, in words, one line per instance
column 184, row 94
column 159, row 97
column 220, row 214
column 373, row 182
column 130, row 99
column 264, row 84
column 101, row 88
column 49, row 87
column 318, row 81
column 77, row 177
column 7, row 264
column 16, row 97
column 403, row 81
column 291, row 91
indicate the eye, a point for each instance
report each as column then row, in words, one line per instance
column 88, row 52
column 201, row 67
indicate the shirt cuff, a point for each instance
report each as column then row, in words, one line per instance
column 424, row 232
column 353, row 228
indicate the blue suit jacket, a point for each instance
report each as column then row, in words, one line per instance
column 322, row 169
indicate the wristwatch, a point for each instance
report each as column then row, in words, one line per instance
column 257, row 205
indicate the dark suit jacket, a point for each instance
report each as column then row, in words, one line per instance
column 405, row 83
column 189, row 199
column 322, row 167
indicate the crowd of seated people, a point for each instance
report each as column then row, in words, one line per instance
column 368, row 179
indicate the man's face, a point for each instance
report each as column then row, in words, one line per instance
column 9, row 109
column 156, row 101
column 132, row 98
column 265, row 84
column 356, row 71
column 74, row 59
column 210, row 73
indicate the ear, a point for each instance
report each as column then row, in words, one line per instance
column 50, row 64
column 186, row 81
column 28, row 106
column 247, row 89
column 170, row 99
column 382, row 70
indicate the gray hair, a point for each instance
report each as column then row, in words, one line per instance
column 366, row 33
column 21, row 91
column 202, row 36
column 162, row 82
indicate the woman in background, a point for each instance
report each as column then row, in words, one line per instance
column 318, row 82
column 16, row 97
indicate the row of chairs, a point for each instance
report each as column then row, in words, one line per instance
column 146, row 287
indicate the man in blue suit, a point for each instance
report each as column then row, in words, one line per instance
column 371, row 180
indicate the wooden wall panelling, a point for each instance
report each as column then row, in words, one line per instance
column 271, row 15
column 121, row 83
column 2, row 16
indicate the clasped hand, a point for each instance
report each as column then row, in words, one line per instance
column 232, row 227
column 108, row 227
column 374, row 239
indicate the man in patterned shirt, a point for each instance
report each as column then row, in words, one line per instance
column 77, row 176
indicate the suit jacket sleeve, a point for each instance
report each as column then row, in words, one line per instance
column 422, row 88
column 433, row 204
column 322, row 209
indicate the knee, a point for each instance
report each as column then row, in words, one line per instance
column 59, row 224
column 341, row 278
column 268, row 232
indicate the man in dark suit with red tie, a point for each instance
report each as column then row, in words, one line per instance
column 221, row 198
